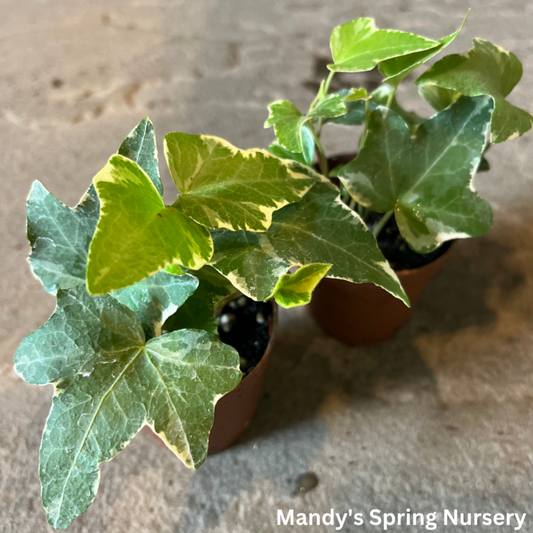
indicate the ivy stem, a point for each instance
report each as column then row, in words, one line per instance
column 322, row 160
column 391, row 96
column 328, row 82
column 382, row 223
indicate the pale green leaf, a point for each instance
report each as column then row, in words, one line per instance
column 394, row 70
column 198, row 311
column 425, row 178
column 288, row 122
column 60, row 237
column 318, row 229
column 140, row 146
column 355, row 95
column 136, row 234
column 489, row 70
column 295, row 289
column 224, row 187
column 109, row 383
column 155, row 298
column 359, row 46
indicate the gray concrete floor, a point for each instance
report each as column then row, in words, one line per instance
column 439, row 417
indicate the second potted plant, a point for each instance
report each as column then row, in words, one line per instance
column 412, row 179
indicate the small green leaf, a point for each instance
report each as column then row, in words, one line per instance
column 381, row 96
column 355, row 95
column 60, row 237
column 394, row 70
column 155, row 298
column 110, row 383
column 437, row 97
column 288, row 122
column 359, row 46
column 425, row 178
column 295, row 289
column 224, row 187
column 489, row 70
column 136, row 234
column 198, row 312
column 355, row 111
column 318, row 229
column 140, row 146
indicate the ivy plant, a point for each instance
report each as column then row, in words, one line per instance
column 133, row 340
column 414, row 171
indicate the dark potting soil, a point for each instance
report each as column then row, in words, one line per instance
column 396, row 250
column 390, row 242
column 244, row 325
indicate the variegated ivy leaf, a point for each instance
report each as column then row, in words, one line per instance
column 318, row 229
column 381, row 97
column 489, row 70
column 359, row 46
column 224, row 187
column 394, row 70
column 112, row 382
column 155, row 298
column 60, row 237
column 137, row 235
column 198, row 311
column 295, row 289
column 140, row 146
column 425, row 178
column 289, row 123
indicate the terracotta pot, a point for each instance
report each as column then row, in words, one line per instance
column 235, row 410
column 361, row 314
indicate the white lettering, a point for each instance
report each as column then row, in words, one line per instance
column 286, row 521
column 375, row 515
column 341, row 522
column 520, row 521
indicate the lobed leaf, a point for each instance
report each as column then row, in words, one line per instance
column 318, row 229
column 289, row 123
column 137, row 235
column 359, row 46
column 485, row 69
column 295, row 289
column 224, row 187
column 426, row 178
column 110, row 383
column 59, row 237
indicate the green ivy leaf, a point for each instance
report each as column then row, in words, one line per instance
column 425, row 178
column 437, row 97
column 395, row 69
column 60, row 237
column 137, row 235
column 140, row 146
column 359, row 46
column 356, row 94
column 355, row 110
column 112, row 382
column 198, row 312
column 381, row 96
column 489, row 70
column 155, row 298
column 295, row 289
column 224, row 187
column 288, row 122
column 318, row 229
column 306, row 157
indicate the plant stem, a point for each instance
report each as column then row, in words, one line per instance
column 391, row 95
column 382, row 223
column 322, row 160
column 328, row 82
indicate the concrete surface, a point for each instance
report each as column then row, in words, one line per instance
column 440, row 417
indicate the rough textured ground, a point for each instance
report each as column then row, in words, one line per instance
column 439, row 417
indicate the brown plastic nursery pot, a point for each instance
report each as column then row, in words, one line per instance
column 362, row 314
column 235, row 410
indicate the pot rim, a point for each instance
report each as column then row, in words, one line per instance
column 428, row 266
